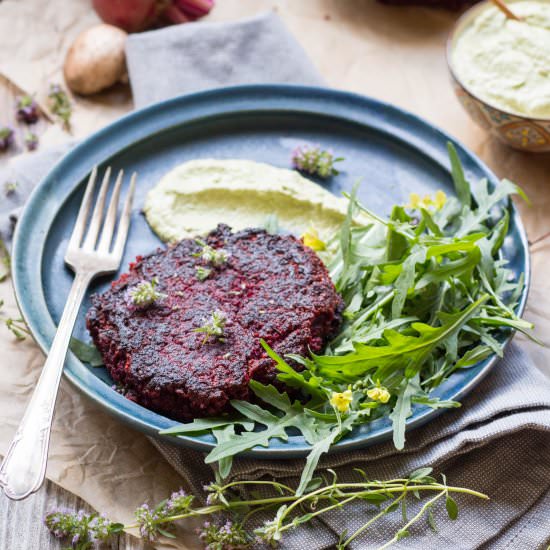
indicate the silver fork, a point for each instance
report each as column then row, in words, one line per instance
column 90, row 253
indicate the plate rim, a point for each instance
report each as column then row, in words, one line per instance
column 285, row 93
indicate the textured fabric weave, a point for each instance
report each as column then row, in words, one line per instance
column 498, row 442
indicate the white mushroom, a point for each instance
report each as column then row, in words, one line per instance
column 96, row 60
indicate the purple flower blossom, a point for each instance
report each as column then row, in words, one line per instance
column 82, row 528
column 178, row 502
column 314, row 160
column 6, row 138
column 229, row 536
column 146, row 518
column 27, row 110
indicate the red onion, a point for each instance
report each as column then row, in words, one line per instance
column 138, row 15
column 195, row 8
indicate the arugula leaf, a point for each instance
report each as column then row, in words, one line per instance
column 462, row 187
column 405, row 281
column 292, row 378
column 397, row 243
column 400, row 352
column 206, row 424
column 87, row 353
column 403, row 409
column 321, row 447
column 294, row 416
column 223, row 434
column 435, row 402
column 473, row 356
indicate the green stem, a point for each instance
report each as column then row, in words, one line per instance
column 414, row 519
column 322, row 511
column 388, row 488
column 392, row 489
column 268, row 483
column 372, row 520
column 377, row 305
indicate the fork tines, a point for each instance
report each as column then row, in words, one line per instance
column 99, row 235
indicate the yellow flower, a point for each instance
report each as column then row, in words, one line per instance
column 415, row 200
column 311, row 239
column 341, row 401
column 440, row 199
column 379, row 394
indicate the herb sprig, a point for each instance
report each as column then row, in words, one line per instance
column 235, row 524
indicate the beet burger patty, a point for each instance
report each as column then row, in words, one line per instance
column 197, row 345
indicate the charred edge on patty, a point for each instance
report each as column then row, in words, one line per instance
column 271, row 287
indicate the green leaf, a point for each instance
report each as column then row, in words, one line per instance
column 206, row 424
column 431, row 520
column 313, row 484
column 223, row 434
column 401, row 351
column 403, row 409
column 403, row 533
column 452, row 507
column 473, row 356
column 397, row 244
column 435, row 402
column 255, row 412
column 295, row 416
column 313, row 457
column 271, row 395
column 166, row 533
column 421, row 473
column 293, row 378
column 462, row 187
column 405, row 280
column 431, row 223
column 87, row 353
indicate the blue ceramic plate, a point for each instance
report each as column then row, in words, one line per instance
column 391, row 151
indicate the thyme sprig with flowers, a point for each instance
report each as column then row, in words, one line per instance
column 27, row 109
column 146, row 294
column 314, row 160
column 235, row 522
column 216, row 257
column 213, row 327
column 60, row 105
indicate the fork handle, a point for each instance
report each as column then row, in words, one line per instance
column 24, row 467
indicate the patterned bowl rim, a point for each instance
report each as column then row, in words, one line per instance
column 459, row 26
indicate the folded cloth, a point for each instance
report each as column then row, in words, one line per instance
column 190, row 58
column 498, row 442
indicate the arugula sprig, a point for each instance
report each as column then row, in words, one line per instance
column 427, row 292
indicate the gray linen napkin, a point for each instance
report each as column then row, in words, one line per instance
column 498, row 442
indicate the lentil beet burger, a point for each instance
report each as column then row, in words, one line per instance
column 181, row 330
